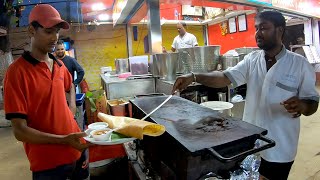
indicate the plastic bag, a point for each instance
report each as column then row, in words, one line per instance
column 249, row 167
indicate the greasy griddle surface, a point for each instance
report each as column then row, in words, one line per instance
column 194, row 126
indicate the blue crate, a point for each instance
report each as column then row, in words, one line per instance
column 79, row 99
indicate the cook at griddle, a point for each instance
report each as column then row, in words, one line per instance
column 280, row 87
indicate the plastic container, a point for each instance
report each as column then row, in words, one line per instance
column 79, row 99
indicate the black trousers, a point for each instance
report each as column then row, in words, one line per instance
column 275, row 171
column 78, row 170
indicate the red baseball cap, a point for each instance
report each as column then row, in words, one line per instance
column 47, row 16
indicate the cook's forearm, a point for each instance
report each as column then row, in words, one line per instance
column 24, row 133
column 215, row 79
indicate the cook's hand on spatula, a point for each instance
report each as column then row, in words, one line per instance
column 294, row 106
column 182, row 83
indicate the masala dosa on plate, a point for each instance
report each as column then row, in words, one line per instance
column 132, row 127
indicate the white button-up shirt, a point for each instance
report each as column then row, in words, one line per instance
column 187, row 41
column 291, row 75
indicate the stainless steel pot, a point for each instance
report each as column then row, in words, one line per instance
column 166, row 65
column 229, row 61
column 199, row 59
column 246, row 50
column 122, row 65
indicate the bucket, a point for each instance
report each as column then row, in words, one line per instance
column 166, row 64
column 118, row 107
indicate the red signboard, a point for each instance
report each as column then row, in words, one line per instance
column 308, row 7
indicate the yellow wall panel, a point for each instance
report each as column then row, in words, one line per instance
column 169, row 32
column 101, row 46
column 138, row 45
column 98, row 47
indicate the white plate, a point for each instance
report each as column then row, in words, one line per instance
column 119, row 141
column 217, row 105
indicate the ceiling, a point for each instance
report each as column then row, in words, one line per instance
column 101, row 10
column 207, row 3
column 107, row 5
column 104, row 9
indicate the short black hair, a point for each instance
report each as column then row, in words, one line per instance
column 275, row 17
column 60, row 42
column 36, row 25
column 183, row 23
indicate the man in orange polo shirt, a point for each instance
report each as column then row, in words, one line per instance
column 36, row 87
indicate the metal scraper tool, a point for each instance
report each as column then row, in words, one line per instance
column 155, row 109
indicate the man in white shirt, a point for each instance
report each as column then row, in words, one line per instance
column 280, row 87
column 299, row 50
column 184, row 39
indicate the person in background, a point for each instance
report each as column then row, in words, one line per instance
column 280, row 87
column 183, row 40
column 36, row 87
column 73, row 66
column 71, row 63
column 299, row 50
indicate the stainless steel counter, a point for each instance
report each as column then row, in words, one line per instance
column 120, row 87
column 117, row 88
column 163, row 86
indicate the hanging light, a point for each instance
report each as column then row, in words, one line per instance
column 103, row 17
column 97, row 6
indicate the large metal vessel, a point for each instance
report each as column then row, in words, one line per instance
column 166, row 65
column 198, row 59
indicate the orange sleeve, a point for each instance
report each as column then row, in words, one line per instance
column 15, row 101
column 67, row 78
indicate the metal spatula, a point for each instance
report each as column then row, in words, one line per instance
column 155, row 109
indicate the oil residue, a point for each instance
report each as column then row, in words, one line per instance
column 212, row 124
